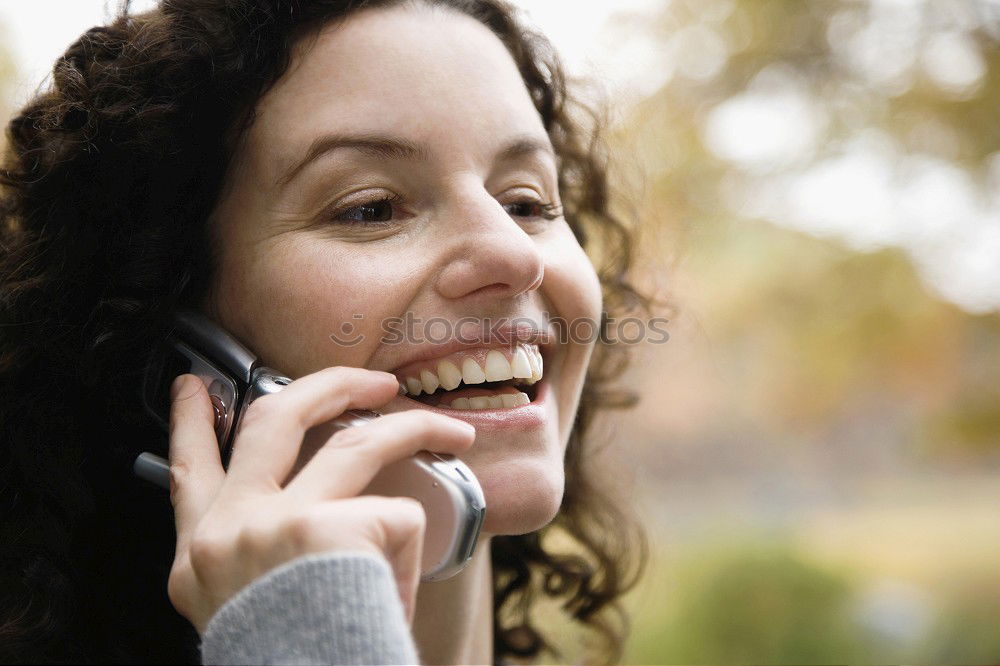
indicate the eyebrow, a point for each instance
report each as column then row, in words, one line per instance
column 524, row 145
column 395, row 148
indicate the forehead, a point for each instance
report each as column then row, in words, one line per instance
column 432, row 75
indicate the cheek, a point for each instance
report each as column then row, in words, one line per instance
column 574, row 294
column 305, row 304
column 573, row 289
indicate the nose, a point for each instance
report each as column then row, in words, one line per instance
column 492, row 254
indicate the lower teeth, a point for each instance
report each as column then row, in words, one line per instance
column 504, row 400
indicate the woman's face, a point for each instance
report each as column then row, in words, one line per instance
column 399, row 173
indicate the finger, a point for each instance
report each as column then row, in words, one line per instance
column 404, row 523
column 352, row 457
column 273, row 427
column 196, row 471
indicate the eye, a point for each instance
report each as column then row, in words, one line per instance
column 370, row 212
column 548, row 211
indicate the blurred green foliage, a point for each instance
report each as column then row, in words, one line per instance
column 743, row 606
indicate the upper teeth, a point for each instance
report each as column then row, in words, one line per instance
column 525, row 363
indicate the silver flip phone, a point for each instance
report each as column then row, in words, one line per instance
column 448, row 490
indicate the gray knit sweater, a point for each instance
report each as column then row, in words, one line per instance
column 331, row 608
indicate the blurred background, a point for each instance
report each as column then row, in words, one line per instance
column 817, row 456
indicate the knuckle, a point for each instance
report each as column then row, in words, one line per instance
column 255, row 537
column 304, row 527
column 208, row 552
column 179, row 586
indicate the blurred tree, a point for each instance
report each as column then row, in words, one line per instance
column 813, row 336
column 835, row 346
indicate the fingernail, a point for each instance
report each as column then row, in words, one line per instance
column 176, row 387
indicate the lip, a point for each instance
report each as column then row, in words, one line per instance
column 527, row 417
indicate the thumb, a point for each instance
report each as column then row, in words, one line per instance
column 196, row 471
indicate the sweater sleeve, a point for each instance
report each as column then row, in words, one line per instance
column 329, row 608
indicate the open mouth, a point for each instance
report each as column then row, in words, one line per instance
column 476, row 379
column 488, row 395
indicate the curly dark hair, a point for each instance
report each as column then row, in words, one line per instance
column 107, row 182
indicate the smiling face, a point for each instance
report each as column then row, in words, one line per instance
column 397, row 173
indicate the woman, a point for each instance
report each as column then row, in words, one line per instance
column 289, row 168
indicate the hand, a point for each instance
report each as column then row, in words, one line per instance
column 234, row 527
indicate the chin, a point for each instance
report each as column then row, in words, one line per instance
column 522, row 495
